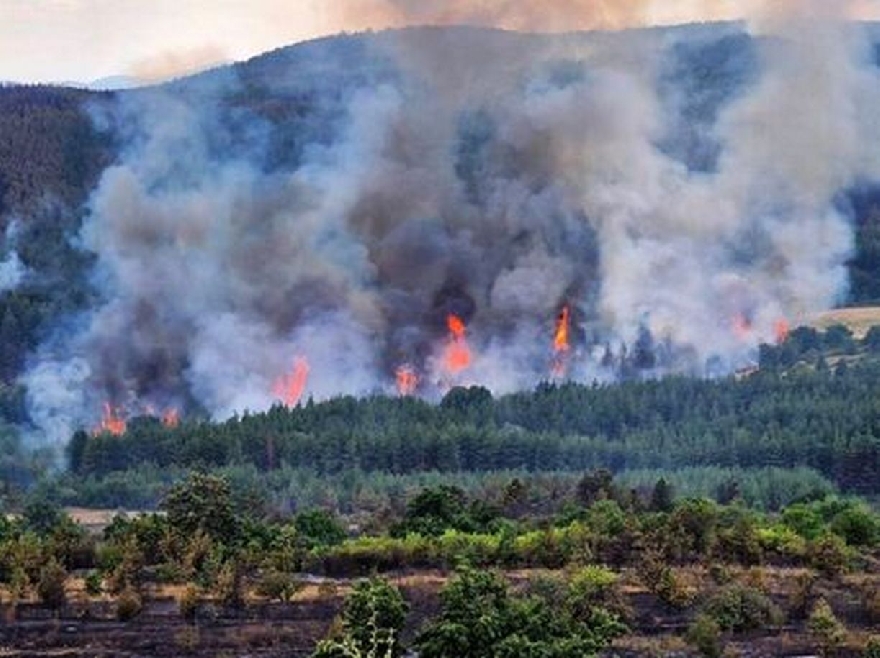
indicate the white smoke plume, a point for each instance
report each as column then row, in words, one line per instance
column 483, row 180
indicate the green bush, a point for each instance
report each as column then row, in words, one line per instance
column 738, row 609
column 278, row 585
column 829, row 555
column 704, row 634
column 826, row 628
column 480, row 618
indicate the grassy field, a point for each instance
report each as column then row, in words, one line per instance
column 859, row 320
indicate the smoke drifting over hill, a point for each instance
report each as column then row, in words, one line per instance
column 496, row 187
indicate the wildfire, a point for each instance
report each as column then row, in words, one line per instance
column 407, row 380
column 171, row 418
column 290, row 387
column 561, row 344
column 457, row 356
column 112, row 421
column 781, row 330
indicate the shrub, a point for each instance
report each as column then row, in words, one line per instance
column 662, row 581
column 372, row 620
column 829, row 556
column 705, row 636
column 94, row 584
column 278, row 585
column 482, row 619
column 738, row 609
column 50, row 587
column 872, row 649
column 801, row 594
column 827, row 629
column 230, row 584
column 188, row 603
column 128, row 605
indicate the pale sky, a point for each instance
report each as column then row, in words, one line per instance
column 84, row 40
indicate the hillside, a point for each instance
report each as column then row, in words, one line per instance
column 275, row 141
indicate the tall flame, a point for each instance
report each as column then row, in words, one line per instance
column 561, row 344
column 457, row 356
column 407, row 380
column 289, row 387
column 563, row 326
column 112, row 421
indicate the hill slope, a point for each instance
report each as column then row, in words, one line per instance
column 283, row 115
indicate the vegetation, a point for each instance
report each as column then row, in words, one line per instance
column 226, row 556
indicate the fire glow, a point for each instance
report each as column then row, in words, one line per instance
column 290, row 387
column 407, row 380
column 781, row 330
column 457, row 356
column 112, row 421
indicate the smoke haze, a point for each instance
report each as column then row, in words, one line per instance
column 479, row 179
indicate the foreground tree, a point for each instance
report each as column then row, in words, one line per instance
column 372, row 621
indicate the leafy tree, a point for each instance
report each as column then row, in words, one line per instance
column 662, row 497
column 202, row 503
column 41, row 515
column 318, row 528
column 372, row 621
column 50, row 587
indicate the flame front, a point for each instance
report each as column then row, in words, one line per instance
column 289, row 388
column 112, row 421
column 457, row 356
column 407, row 380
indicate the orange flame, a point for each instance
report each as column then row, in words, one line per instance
column 563, row 325
column 457, row 356
column 112, row 421
column 171, row 418
column 561, row 344
column 407, row 380
column 290, row 387
column 456, row 326
column 781, row 330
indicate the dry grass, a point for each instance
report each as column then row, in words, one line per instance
column 859, row 320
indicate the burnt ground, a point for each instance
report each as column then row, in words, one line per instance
column 88, row 628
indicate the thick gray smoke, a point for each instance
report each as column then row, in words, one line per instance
column 495, row 183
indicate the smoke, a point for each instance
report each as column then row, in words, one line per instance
column 491, row 176
column 174, row 64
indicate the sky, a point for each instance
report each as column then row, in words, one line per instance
column 87, row 40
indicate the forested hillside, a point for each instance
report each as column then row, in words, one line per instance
column 55, row 142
